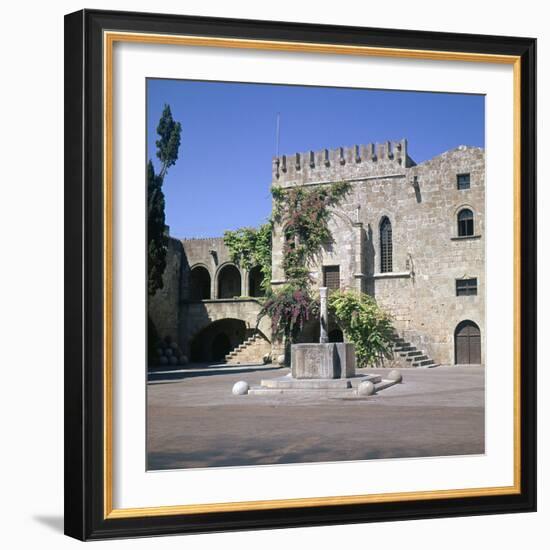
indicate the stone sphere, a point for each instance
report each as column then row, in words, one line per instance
column 240, row 388
column 168, row 351
column 173, row 360
column 163, row 360
column 365, row 388
column 183, row 360
column 266, row 359
column 395, row 375
column 281, row 360
column 174, row 346
column 160, row 352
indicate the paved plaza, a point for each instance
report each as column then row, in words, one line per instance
column 194, row 421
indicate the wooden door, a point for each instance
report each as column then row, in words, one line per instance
column 467, row 344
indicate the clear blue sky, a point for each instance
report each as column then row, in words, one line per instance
column 222, row 177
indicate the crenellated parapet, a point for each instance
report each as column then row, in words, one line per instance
column 342, row 163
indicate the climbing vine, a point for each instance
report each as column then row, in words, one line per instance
column 289, row 309
column 304, row 214
column 250, row 247
column 364, row 324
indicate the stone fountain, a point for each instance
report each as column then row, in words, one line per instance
column 324, row 369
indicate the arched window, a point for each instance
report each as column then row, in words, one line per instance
column 229, row 282
column 467, row 344
column 255, row 282
column 200, row 283
column 465, row 220
column 386, row 246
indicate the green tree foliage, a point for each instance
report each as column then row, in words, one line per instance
column 167, row 152
column 169, row 143
column 250, row 247
column 365, row 325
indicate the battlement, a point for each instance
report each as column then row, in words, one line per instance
column 342, row 163
column 205, row 239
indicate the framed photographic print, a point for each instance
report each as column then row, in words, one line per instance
column 300, row 274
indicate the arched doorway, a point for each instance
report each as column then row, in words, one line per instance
column 229, row 282
column 467, row 344
column 216, row 340
column 255, row 282
column 200, row 283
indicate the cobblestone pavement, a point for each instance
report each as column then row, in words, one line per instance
column 194, row 421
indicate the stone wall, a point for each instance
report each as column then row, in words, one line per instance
column 163, row 307
column 422, row 202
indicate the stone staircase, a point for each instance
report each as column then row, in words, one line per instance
column 252, row 350
column 406, row 353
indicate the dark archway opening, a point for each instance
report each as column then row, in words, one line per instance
column 216, row 340
column 200, row 284
column 221, row 346
column 467, row 344
column 229, row 282
column 255, row 282
column 336, row 335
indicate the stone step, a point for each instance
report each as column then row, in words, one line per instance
column 248, row 352
column 257, row 390
column 287, row 383
column 423, row 363
column 401, row 349
column 418, row 358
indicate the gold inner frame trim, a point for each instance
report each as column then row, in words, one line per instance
column 109, row 39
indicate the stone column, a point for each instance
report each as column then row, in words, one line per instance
column 245, row 290
column 359, row 259
column 323, row 338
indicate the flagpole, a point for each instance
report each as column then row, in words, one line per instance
column 277, row 135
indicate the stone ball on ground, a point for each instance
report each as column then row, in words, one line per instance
column 266, row 359
column 173, row 360
column 240, row 388
column 160, row 352
column 395, row 375
column 168, row 351
column 280, row 359
column 163, row 360
column 183, row 360
column 174, row 346
column 365, row 388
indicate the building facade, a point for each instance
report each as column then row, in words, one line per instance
column 411, row 235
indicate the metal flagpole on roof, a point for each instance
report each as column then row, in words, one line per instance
column 277, row 135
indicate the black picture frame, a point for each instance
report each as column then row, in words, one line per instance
column 84, row 282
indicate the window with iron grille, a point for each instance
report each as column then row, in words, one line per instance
column 386, row 246
column 466, row 287
column 465, row 223
column 463, row 181
column 331, row 276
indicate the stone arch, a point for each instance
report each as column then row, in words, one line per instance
column 200, row 283
column 229, row 281
column 467, row 338
column 217, row 339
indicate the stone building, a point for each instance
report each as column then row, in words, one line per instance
column 411, row 235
